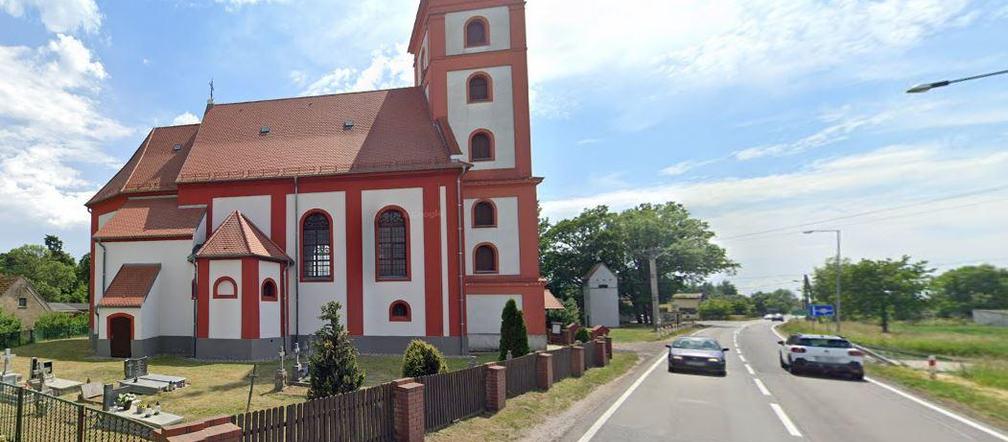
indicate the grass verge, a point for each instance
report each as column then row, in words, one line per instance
column 528, row 410
column 642, row 333
column 988, row 404
column 939, row 337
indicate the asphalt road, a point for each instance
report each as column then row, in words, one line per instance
column 759, row 401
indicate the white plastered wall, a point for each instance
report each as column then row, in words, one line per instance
column 601, row 295
column 255, row 208
column 497, row 116
column 504, row 237
column 313, row 294
column 497, row 17
column 269, row 311
column 225, row 314
column 171, row 299
column 379, row 295
column 483, row 312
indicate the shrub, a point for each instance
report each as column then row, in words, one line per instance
column 333, row 363
column 582, row 335
column 9, row 323
column 513, row 333
column 570, row 314
column 421, row 359
column 60, row 325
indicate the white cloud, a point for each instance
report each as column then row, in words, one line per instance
column 684, row 166
column 388, row 68
column 185, row 118
column 50, row 123
column 58, row 15
column 587, row 141
column 234, row 5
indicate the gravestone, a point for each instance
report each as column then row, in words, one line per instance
column 280, row 378
column 9, row 377
column 134, row 368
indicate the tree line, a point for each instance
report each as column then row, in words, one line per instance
column 622, row 240
column 908, row 289
column 54, row 273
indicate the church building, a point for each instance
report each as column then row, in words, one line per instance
column 414, row 208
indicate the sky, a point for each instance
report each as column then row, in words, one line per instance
column 764, row 118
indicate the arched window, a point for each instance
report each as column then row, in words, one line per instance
column 479, row 88
column 485, row 259
column 481, row 146
column 392, row 244
column 316, row 247
column 484, row 214
column 399, row 311
column 225, row 287
column 476, row 32
column 269, row 290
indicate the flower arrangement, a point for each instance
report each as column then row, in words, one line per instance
column 125, row 400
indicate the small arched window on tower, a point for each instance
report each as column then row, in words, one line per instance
column 485, row 259
column 484, row 214
column 476, row 32
column 399, row 311
column 479, row 88
column 481, row 146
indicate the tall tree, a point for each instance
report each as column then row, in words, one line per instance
column 958, row 292
column 569, row 249
column 777, row 301
column 54, row 279
column 883, row 289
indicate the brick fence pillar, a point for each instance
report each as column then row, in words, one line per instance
column 217, row 429
column 409, row 412
column 601, row 360
column 577, row 361
column 544, row 370
column 608, row 346
column 496, row 387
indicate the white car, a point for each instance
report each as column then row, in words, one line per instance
column 821, row 353
column 768, row 316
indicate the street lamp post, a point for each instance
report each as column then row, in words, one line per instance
column 836, row 310
column 924, row 87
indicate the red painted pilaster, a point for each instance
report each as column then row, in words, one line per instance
column 432, row 259
column 355, row 263
column 250, row 298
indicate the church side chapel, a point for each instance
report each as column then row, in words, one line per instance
column 414, row 208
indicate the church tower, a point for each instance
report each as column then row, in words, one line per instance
column 470, row 60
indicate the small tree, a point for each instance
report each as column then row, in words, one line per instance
column 513, row 333
column 582, row 335
column 333, row 363
column 421, row 359
column 9, row 323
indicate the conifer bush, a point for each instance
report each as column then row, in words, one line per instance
column 332, row 365
column 513, row 333
column 582, row 335
column 421, row 359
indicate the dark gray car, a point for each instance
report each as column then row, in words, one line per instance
column 697, row 354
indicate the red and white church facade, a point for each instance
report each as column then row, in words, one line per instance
column 415, row 208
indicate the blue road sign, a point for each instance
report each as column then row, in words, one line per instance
column 818, row 310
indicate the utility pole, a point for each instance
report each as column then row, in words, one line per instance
column 839, row 268
column 652, row 261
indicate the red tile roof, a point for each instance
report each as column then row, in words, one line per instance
column 550, row 301
column 130, row 286
column 392, row 131
column 237, row 237
column 154, row 166
column 151, row 218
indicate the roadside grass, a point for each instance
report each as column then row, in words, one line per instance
column 216, row 387
column 642, row 333
column 992, row 374
column 943, row 338
column 524, row 412
column 989, row 405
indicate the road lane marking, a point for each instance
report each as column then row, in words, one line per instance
column 762, row 388
column 791, row 428
column 748, row 368
column 943, row 411
column 741, row 357
column 623, row 397
column 926, row 404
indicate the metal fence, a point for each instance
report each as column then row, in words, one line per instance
column 28, row 416
column 521, row 375
column 561, row 363
column 24, row 337
column 453, row 396
column 363, row 415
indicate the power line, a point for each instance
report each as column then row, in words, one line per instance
column 871, row 212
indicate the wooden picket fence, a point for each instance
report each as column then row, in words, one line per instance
column 453, row 396
column 521, row 374
column 363, row 415
column 561, row 363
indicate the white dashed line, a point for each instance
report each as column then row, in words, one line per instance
column 750, row 370
column 791, row 428
column 741, row 357
column 762, row 388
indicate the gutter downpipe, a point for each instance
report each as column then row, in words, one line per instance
column 461, row 256
column 297, row 270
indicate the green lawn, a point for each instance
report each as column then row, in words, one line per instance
column 943, row 338
column 524, row 412
column 217, row 387
column 641, row 333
